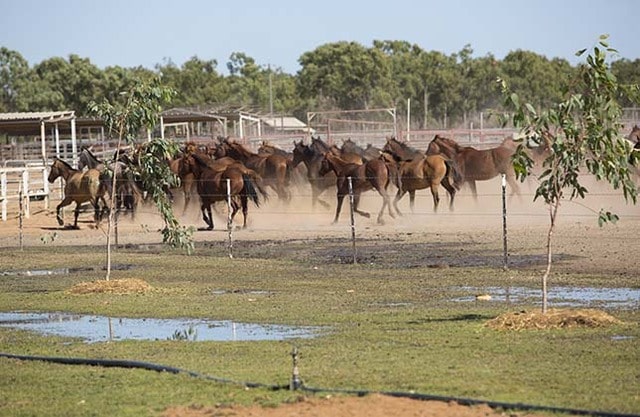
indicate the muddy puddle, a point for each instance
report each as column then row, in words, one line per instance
column 586, row 297
column 93, row 329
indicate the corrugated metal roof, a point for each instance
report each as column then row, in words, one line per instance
column 31, row 116
column 284, row 122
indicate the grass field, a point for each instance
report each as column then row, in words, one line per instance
column 393, row 326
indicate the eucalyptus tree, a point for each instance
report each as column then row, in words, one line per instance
column 627, row 72
column 583, row 130
column 14, row 69
column 196, row 82
column 534, row 78
column 345, row 75
column 139, row 109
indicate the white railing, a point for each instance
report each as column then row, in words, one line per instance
column 25, row 182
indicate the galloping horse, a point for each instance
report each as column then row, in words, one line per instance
column 477, row 165
column 312, row 160
column 128, row 193
column 212, row 187
column 376, row 174
column 430, row 171
column 368, row 154
column 80, row 187
column 274, row 169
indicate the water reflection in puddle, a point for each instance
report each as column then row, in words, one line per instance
column 562, row 296
column 101, row 328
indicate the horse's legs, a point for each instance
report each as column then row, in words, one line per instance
column 245, row 210
column 338, row 207
column 412, row 199
column 515, row 189
column 397, row 198
column 436, row 197
column 356, row 202
column 474, row 190
column 65, row 202
column 451, row 190
column 76, row 213
column 207, row 216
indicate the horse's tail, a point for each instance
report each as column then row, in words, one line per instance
column 453, row 173
column 256, row 180
column 249, row 189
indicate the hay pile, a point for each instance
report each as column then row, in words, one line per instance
column 553, row 319
column 114, row 286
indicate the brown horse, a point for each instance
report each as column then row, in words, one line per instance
column 312, row 160
column 80, row 187
column 376, row 174
column 430, row 171
column 274, row 169
column 217, row 185
column 477, row 165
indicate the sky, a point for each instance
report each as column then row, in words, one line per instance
column 131, row 33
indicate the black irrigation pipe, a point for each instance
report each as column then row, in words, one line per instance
column 118, row 363
column 298, row 385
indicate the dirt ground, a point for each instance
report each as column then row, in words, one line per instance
column 472, row 235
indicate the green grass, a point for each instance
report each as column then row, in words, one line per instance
column 392, row 329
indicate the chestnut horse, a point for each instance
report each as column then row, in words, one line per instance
column 212, row 187
column 80, row 187
column 376, row 174
column 273, row 168
column 429, row 171
column 478, row 165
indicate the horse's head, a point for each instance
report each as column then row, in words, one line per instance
column 301, row 152
column 634, row 136
column 58, row 169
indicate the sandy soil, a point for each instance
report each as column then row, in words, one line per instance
column 581, row 244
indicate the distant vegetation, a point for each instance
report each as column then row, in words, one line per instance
column 444, row 90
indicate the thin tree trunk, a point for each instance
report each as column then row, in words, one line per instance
column 553, row 212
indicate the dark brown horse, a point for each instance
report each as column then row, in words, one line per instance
column 367, row 154
column 478, row 165
column 217, row 185
column 80, row 187
column 274, row 169
column 376, row 174
column 312, row 160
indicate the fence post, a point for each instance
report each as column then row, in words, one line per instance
column 3, row 194
column 20, row 197
column 229, row 221
column 504, row 222
column 25, row 191
column 353, row 221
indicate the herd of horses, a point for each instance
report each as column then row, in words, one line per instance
column 227, row 171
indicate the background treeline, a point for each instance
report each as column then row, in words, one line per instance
column 444, row 90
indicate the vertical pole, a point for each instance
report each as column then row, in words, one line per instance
column 229, row 224
column 504, row 222
column 20, row 196
column 74, row 145
column 24, row 191
column 43, row 139
column 3, row 194
column 162, row 127
column 353, row 221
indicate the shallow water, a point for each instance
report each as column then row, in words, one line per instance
column 101, row 329
column 561, row 296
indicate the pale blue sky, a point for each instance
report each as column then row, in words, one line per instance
column 145, row 33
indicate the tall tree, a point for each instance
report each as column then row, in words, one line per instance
column 583, row 130
column 13, row 69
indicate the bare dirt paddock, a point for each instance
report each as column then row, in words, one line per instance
column 471, row 235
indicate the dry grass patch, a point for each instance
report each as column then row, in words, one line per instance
column 553, row 319
column 113, row 286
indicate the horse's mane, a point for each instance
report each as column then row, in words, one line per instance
column 65, row 163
